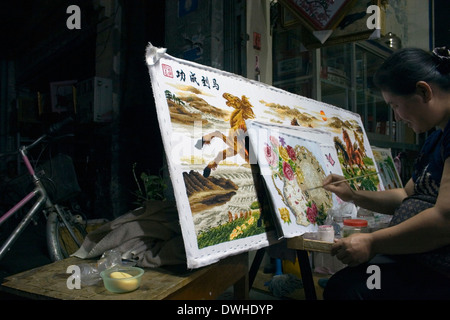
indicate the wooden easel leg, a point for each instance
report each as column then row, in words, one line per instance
column 255, row 266
column 307, row 277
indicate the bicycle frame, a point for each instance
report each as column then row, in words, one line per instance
column 43, row 199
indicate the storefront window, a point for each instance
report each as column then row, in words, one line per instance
column 292, row 63
column 370, row 105
column 335, row 75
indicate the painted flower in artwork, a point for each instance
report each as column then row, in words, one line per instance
column 312, row 213
column 284, row 214
column 271, row 156
column 283, row 153
column 291, row 152
column 274, row 141
column 281, row 158
column 287, row 171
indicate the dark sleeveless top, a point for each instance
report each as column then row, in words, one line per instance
column 427, row 176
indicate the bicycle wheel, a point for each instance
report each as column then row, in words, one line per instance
column 61, row 240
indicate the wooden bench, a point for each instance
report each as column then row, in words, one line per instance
column 50, row 282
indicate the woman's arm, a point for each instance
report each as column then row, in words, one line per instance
column 378, row 201
column 426, row 231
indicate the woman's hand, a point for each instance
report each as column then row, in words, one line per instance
column 342, row 190
column 354, row 249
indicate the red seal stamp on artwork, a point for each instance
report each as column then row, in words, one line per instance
column 167, row 71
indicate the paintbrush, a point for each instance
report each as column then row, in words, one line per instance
column 349, row 179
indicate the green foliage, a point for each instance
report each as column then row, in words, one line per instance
column 365, row 183
column 236, row 229
column 150, row 187
column 368, row 162
column 254, row 205
column 321, row 214
column 368, row 184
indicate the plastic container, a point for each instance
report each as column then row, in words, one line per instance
column 89, row 274
column 367, row 215
column 122, row 279
column 326, row 233
column 364, row 213
column 338, row 224
column 352, row 226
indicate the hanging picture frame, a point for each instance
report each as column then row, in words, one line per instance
column 319, row 15
column 351, row 26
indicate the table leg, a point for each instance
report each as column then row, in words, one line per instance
column 241, row 288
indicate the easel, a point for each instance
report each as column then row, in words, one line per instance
column 301, row 246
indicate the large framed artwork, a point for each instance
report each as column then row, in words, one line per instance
column 205, row 117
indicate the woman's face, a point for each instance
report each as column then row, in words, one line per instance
column 412, row 110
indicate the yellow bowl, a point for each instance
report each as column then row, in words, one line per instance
column 122, row 279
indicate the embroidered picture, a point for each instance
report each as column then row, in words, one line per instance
column 204, row 114
column 388, row 172
column 293, row 167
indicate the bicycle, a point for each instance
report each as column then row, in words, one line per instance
column 65, row 231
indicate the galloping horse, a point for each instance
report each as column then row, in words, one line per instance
column 237, row 134
column 354, row 155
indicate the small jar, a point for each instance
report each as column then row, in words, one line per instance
column 326, row 233
column 352, row 226
column 338, row 224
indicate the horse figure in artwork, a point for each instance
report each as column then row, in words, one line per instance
column 340, row 149
column 237, row 138
column 355, row 156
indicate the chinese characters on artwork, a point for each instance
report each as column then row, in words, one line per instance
column 193, row 79
column 203, row 81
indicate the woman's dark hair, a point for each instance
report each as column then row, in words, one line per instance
column 401, row 71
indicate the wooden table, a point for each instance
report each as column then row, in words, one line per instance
column 50, row 282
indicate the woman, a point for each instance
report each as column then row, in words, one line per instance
column 413, row 253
